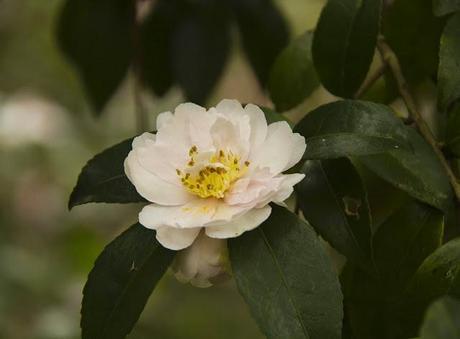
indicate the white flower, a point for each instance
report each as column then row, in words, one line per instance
column 212, row 171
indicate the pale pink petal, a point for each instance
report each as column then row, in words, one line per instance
column 202, row 263
column 164, row 119
column 195, row 213
column 229, row 107
column 287, row 187
column 237, row 226
column 297, row 150
column 258, row 124
column 151, row 187
column 177, row 238
column 275, row 153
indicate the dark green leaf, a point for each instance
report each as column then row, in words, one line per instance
column 120, row 283
column 287, row 279
column 453, row 131
column 449, row 63
column 103, row 179
column 338, row 209
column 374, row 303
column 413, row 32
column 438, row 275
column 443, row 7
column 264, row 33
column 200, row 48
column 273, row 116
column 344, row 43
column 442, row 320
column 404, row 240
column 156, row 43
column 96, row 36
column 349, row 128
column 417, row 172
column 293, row 77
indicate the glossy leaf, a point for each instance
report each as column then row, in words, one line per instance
column 338, row 209
column 374, row 304
column 293, row 77
column 413, row 32
column 103, row 179
column 96, row 36
column 416, row 171
column 200, row 48
column 438, row 275
column 287, row 279
column 350, row 128
column 120, row 283
column 264, row 33
column 442, row 320
column 344, row 43
column 443, row 7
column 156, row 46
column 453, row 131
column 449, row 66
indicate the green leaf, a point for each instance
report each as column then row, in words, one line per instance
column 103, row 179
column 264, row 33
column 453, row 131
column 156, row 35
column 293, row 77
column 200, row 48
column 374, row 303
column 287, row 279
column 120, row 283
column 416, row 172
column 442, row 320
column 413, row 32
column 96, row 36
column 404, row 240
column 443, row 7
column 449, row 65
column 273, row 116
column 438, row 275
column 344, row 43
column 350, row 128
column 338, row 209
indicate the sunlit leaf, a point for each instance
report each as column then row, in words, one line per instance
column 442, row 320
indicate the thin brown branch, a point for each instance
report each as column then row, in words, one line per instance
column 371, row 80
column 390, row 58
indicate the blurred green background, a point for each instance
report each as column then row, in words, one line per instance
column 46, row 135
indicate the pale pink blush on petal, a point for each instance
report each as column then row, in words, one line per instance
column 176, row 238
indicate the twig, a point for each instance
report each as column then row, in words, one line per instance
column 370, row 81
column 390, row 58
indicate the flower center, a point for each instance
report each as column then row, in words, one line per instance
column 216, row 177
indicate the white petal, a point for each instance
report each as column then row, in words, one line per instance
column 195, row 213
column 275, row 152
column 297, row 150
column 151, row 187
column 176, row 238
column 258, row 124
column 164, row 119
column 202, row 262
column 236, row 227
column 287, row 187
column 229, row 107
column 143, row 139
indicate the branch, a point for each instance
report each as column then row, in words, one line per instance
column 390, row 58
column 370, row 81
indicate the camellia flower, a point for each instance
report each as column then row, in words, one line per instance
column 210, row 175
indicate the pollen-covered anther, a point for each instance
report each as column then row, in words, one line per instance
column 216, row 177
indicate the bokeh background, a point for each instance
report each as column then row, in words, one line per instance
column 47, row 133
